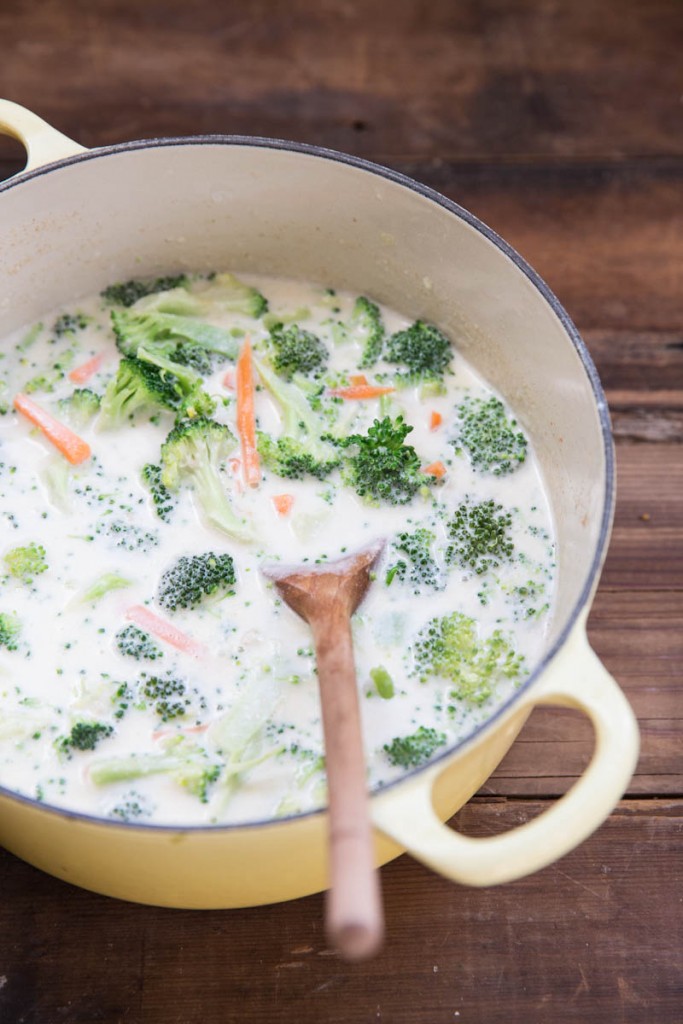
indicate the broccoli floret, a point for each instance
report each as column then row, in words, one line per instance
column 25, row 563
column 84, row 736
column 233, row 296
column 168, row 695
column 527, row 599
column 137, row 386
column 52, row 376
column 194, row 577
column 69, row 323
column 416, row 749
column 479, row 533
column 366, row 321
column 383, row 468
column 132, row 807
column 104, row 585
column 127, row 535
column 29, row 338
column 10, row 629
column 164, row 501
column 297, row 351
column 134, row 643
column 424, row 351
column 192, row 455
column 493, row 441
column 418, row 567
column 451, row 648
column 190, row 398
column 130, row 291
column 80, row 407
column 299, row 450
column 186, row 763
column 290, row 457
column 197, row 358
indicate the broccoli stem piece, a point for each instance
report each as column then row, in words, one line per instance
column 191, row 456
column 190, row 767
column 167, row 332
column 300, row 449
column 366, row 322
column 104, row 585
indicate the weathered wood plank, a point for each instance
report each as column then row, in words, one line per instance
column 438, row 79
column 646, row 549
column 575, row 942
column 642, row 361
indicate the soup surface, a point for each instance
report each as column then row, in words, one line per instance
column 160, row 443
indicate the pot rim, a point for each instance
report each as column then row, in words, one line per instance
column 428, row 193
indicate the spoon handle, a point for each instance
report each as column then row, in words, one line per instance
column 354, row 916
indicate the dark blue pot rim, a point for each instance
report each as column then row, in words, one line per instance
column 572, row 333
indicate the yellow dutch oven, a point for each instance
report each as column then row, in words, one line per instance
column 75, row 220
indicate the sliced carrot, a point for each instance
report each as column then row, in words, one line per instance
column 229, row 379
column 72, row 447
column 164, row 630
column 81, row 374
column 357, row 378
column 246, row 418
column 159, row 734
column 283, row 503
column 436, row 469
column 361, row 391
column 435, row 420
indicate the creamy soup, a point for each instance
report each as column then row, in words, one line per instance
column 149, row 671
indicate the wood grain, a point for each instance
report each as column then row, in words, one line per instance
column 560, row 126
column 576, row 942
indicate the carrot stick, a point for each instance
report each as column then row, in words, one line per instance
column 283, row 503
column 357, row 378
column 81, row 374
column 361, row 391
column 72, row 447
column 246, row 419
column 163, row 630
column 436, row 469
column 435, row 420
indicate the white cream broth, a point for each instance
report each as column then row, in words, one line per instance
column 252, row 717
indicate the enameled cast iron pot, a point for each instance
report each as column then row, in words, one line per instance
column 76, row 220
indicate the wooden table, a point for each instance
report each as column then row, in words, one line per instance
column 559, row 124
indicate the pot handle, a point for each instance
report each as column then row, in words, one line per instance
column 43, row 143
column 575, row 679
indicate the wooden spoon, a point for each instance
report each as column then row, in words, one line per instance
column 326, row 596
